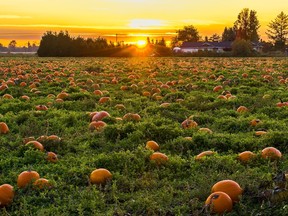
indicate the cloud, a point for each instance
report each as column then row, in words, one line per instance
column 14, row 17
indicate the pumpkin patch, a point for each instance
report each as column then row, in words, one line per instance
column 164, row 131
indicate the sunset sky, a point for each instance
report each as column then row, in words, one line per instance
column 28, row 20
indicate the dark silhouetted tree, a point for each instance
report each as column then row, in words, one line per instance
column 278, row 31
column 215, row 38
column 228, row 34
column 187, row 34
column 247, row 25
column 12, row 45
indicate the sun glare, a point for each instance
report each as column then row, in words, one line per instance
column 141, row 43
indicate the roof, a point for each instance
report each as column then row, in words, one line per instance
column 224, row 44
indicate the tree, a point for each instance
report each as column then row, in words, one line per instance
column 215, row 38
column 247, row 25
column 278, row 31
column 228, row 34
column 241, row 47
column 187, row 34
column 12, row 45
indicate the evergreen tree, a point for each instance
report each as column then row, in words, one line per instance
column 278, row 31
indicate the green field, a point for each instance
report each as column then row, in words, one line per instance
column 163, row 92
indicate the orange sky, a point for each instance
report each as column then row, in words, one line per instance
column 27, row 20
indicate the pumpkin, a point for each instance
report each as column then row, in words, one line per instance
column 206, row 130
column 35, row 144
column 7, row 96
column 189, row 123
column 152, row 145
column 132, row 117
column 97, row 125
column 203, row 154
column 245, row 156
column 260, row 133
column 54, row 138
column 6, row 194
column 100, row 115
column 3, row 128
column 271, row 153
column 229, row 187
column 100, row 176
column 42, row 183
column 217, row 88
column 242, row 109
column 42, row 138
column 98, row 92
column 104, row 100
column 244, row 75
column 165, row 104
column 41, row 107
column 120, row 106
column 255, row 122
column 219, row 202
column 26, row 177
column 52, row 157
column 159, row 158
column 62, row 95
column 25, row 97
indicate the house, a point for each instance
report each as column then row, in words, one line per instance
column 219, row 47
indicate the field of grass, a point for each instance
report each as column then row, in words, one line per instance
column 163, row 92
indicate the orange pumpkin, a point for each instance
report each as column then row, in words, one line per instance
column 41, row 107
column 217, row 88
column 100, row 115
column 189, row 123
column 97, row 125
column 159, row 158
column 3, row 128
column 219, row 202
column 152, row 145
column 246, row 156
column 104, row 100
column 229, row 187
column 203, row 154
column 25, row 97
column 52, row 157
column 100, row 176
column 6, row 194
column 27, row 177
column 98, row 92
column 255, row 122
column 35, row 144
column 132, row 117
column 62, row 95
column 242, row 109
column 7, row 96
column 54, row 138
column 42, row 183
column 260, row 133
column 120, row 106
column 206, row 130
column 271, row 153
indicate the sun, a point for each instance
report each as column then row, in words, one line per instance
column 141, row 43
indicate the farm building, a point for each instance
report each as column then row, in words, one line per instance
column 219, row 47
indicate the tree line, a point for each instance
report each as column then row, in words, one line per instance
column 12, row 47
column 63, row 45
column 244, row 31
